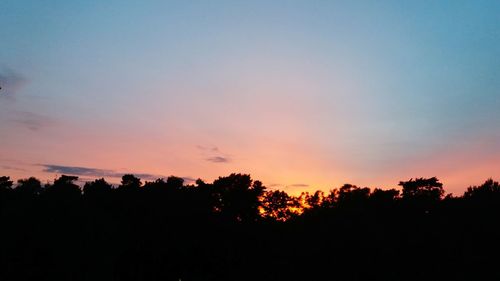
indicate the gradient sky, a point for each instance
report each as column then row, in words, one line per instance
column 302, row 95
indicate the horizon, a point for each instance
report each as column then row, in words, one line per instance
column 83, row 177
column 301, row 96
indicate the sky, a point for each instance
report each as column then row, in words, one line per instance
column 302, row 95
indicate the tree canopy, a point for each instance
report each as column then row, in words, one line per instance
column 237, row 229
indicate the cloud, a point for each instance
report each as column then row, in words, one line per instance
column 207, row 148
column 88, row 174
column 81, row 171
column 7, row 167
column 213, row 154
column 189, row 180
column 94, row 172
column 10, row 82
column 30, row 120
column 218, row 159
column 299, row 185
column 283, row 186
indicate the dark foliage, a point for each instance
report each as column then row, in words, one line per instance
column 235, row 229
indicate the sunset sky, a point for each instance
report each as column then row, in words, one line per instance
column 303, row 95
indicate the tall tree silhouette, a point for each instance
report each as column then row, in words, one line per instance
column 5, row 186
column 130, row 182
column 489, row 190
column 351, row 196
column 97, row 191
column 64, row 188
column 5, row 191
column 422, row 188
column 238, row 197
column 28, row 187
column 279, row 205
column 5, row 183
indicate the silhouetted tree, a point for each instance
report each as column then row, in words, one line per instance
column 5, row 186
column 28, row 187
column 97, row 189
column 422, row 188
column 384, row 196
column 279, row 205
column 316, row 200
column 5, row 190
column 175, row 182
column 167, row 230
column 130, row 182
column 238, row 197
column 489, row 190
column 383, row 199
column 158, row 183
column 5, row 183
column 350, row 195
column 64, row 188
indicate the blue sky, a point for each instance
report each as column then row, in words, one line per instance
column 297, row 93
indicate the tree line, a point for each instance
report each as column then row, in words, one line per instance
column 236, row 229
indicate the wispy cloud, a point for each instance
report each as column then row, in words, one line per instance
column 81, row 171
column 93, row 172
column 30, row 120
column 86, row 173
column 298, row 185
column 218, row 159
column 208, row 148
column 213, row 154
column 10, row 83
column 189, row 180
column 7, row 167
column 295, row 185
